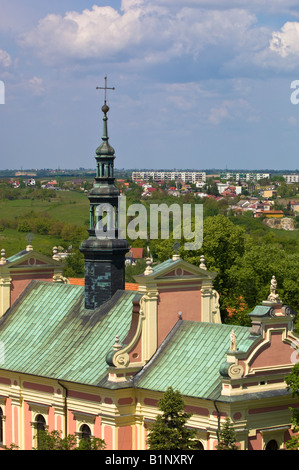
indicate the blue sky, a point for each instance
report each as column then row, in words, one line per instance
column 198, row 84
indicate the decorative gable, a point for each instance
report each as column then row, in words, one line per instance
column 183, row 291
column 168, row 293
column 31, row 259
column 20, row 269
column 272, row 354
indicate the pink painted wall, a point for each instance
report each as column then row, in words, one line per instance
column 125, row 438
column 84, row 396
column 145, row 436
column 71, row 423
column 19, row 283
column 51, row 419
column 255, row 442
column 108, row 437
column 98, row 427
column 8, row 422
column 16, row 426
column 135, row 354
column 28, row 428
column 273, row 354
column 186, row 300
column 59, row 424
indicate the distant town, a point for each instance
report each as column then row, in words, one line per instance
column 268, row 194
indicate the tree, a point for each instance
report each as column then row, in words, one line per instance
column 212, row 189
column 292, row 381
column 74, row 264
column 169, row 431
column 132, row 271
column 227, row 437
column 223, row 245
column 53, row 441
column 251, row 274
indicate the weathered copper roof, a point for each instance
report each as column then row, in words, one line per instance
column 190, row 359
column 48, row 332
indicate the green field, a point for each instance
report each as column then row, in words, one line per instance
column 13, row 242
column 70, row 207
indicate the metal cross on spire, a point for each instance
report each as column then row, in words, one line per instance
column 105, row 88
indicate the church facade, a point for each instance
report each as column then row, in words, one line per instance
column 94, row 359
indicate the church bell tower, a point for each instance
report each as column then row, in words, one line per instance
column 104, row 251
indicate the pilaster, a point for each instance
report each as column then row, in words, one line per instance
column 5, row 285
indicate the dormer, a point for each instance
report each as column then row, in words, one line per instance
column 171, row 291
column 261, row 362
column 181, row 291
column 17, row 271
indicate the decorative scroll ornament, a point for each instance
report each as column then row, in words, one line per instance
column 122, row 360
column 119, row 359
column 235, row 371
column 286, row 310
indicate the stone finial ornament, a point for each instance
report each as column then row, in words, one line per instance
column 3, row 259
column 233, row 341
column 273, row 297
column 55, row 253
column 29, row 239
column 202, row 262
column 149, row 260
column 176, row 246
column 117, row 345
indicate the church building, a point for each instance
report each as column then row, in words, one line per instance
column 94, row 359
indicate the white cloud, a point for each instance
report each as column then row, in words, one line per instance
column 142, row 31
column 36, row 85
column 286, row 41
column 127, row 4
column 99, row 32
column 230, row 109
column 5, row 59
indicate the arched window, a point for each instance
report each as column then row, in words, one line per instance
column 85, row 432
column 1, row 426
column 40, row 425
column 199, row 446
column 271, row 445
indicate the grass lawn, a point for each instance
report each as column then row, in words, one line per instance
column 68, row 206
column 13, row 242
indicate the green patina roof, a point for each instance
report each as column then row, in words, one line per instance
column 260, row 311
column 17, row 256
column 190, row 359
column 48, row 332
column 165, row 265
